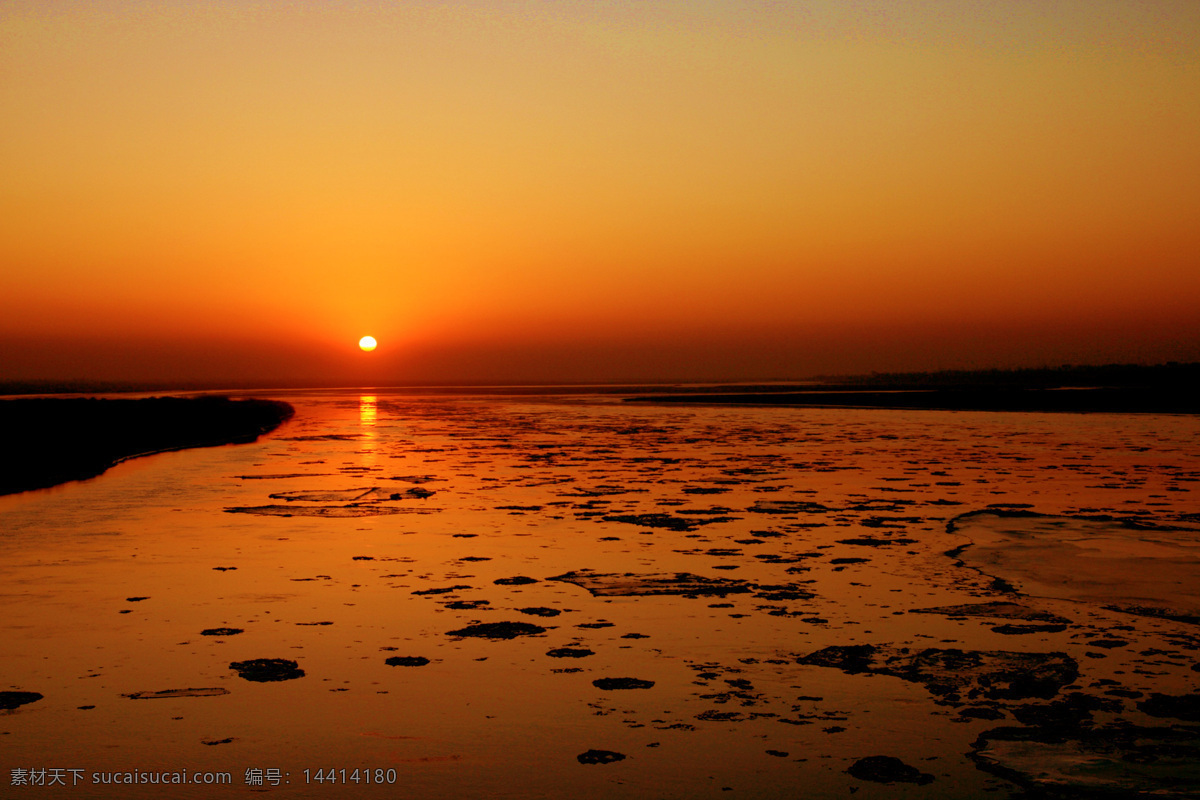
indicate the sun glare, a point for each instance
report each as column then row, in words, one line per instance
column 367, row 343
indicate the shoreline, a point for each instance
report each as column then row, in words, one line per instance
column 1112, row 400
column 52, row 441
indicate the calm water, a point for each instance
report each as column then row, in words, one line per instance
column 315, row 545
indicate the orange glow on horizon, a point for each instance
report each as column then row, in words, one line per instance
column 771, row 182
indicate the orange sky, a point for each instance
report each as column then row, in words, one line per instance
column 595, row 190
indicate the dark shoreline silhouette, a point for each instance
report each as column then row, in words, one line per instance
column 1112, row 388
column 1121, row 400
column 48, row 441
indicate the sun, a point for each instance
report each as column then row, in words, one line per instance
column 368, row 343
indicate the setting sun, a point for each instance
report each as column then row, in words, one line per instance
column 368, row 343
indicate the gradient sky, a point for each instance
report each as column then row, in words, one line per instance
column 576, row 191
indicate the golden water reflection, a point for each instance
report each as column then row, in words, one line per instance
column 367, row 410
column 368, row 416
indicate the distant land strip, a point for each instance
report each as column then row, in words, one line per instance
column 1125, row 400
column 47, row 441
column 1172, row 374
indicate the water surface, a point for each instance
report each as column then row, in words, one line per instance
column 373, row 525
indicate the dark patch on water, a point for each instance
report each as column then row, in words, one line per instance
column 631, row 585
column 952, row 674
column 1184, row 706
column 540, row 611
column 167, row 694
column 498, row 630
column 611, row 684
column 334, row 512
column 996, row 610
column 887, row 769
column 263, row 670
column 600, row 757
column 1009, row 629
column 406, row 661
column 665, row 521
column 11, row 700
column 570, row 652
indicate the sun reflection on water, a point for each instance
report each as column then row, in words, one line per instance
column 367, row 412
column 367, row 417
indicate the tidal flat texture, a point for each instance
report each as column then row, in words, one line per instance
column 589, row 598
column 48, row 441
